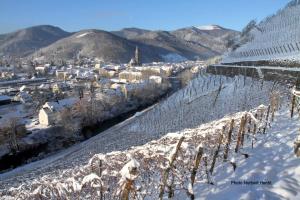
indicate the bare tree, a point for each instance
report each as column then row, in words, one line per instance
column 67, row 121
column 14, row 130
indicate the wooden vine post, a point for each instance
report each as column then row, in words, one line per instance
column 206, row 170
column 275, row 99
column 100, row 175
column 243, row 130
column 255, row 126
column 297, row 146
column 254, row 131
column 228, row 140
column 293, row 105
column 217, row 151
column 242, row 126
column 195, row 168
column 168, row 169
column 267, row 119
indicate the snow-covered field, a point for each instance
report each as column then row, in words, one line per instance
column 205, row 99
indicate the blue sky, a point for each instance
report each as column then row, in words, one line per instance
column 74, row 15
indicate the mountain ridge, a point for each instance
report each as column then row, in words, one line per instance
column 23, row 42
column 47, row 42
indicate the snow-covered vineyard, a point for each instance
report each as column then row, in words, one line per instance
column 200, row 162
column 207, row 137
column 275, row 38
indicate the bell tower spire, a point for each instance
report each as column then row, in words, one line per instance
column 137, row 55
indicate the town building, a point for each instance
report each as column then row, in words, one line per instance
column 49, row 114
column 136, row 60
column 23, row 97
column 61, row 74
column 130, row 76
column 60, row 87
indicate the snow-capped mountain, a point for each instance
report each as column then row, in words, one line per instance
column 116, row 46
column 208, row 27
column 190, row 42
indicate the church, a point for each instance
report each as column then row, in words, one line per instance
column 135, row 61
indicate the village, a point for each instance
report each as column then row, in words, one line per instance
column 52, row 107
column 150, row 100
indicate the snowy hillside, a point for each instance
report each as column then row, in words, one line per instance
column 275, row 38
column 264, row 163
column 205, row 99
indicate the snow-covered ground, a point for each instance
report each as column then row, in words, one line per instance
column 272, row 160
column 271, row 166
column 205, row 99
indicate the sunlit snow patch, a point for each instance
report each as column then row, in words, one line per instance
column 83, row 34
column 208, row 27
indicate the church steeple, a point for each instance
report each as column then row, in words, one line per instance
column 137, row 56
column 136, row 60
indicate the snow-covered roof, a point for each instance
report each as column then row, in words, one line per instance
column 115, row 80
column 40, row 68
column 23, row 87
column 44, row 86
column 60, row 104
column 114, row 67
column 115, row 86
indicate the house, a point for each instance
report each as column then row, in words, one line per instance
column 155, row 79
column 42, row 69
column 167, row 70
column 116, row 86
column 24, row 88
column 60, row 87
column 155, row 71
column 128, row 90
column 99, row 65
column 4, row 100
column 116, row 68
column 130, row 76
column 61, row 74
column 44, row 86
column 23, row 97
column 49, row 114
column 105, row 73
column 150, row 71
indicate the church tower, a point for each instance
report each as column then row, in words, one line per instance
column 137, row 56
column 136, row 60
